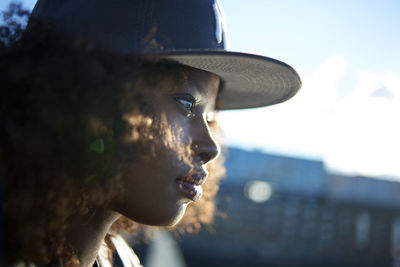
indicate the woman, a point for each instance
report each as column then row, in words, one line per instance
column 108, row 119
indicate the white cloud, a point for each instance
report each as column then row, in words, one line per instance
column 296, row 127
column 357, row 133
column 366, row 127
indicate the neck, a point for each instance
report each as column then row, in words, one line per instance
column 87, row 235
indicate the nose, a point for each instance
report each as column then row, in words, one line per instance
column 204, row 145
column 207, row 153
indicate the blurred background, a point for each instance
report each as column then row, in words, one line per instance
column 313, row 181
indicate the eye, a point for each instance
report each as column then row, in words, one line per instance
column 188, row 102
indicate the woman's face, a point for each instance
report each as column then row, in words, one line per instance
column 159, row 186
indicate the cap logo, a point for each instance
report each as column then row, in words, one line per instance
column 219, row 20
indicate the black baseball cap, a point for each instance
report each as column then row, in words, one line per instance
column 190, row 32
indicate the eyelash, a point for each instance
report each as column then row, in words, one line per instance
column 190, row 100
column 193, row 101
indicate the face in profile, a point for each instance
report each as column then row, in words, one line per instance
column 160, row 184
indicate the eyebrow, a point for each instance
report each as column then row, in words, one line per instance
column 194, row 84
column 201, row 89
column 203, row 95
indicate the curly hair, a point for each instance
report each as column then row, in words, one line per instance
column 55, row 100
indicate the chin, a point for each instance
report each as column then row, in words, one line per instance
column 177, row 218
column 162, row 216
column 168, row 219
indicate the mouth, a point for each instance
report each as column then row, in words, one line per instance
column 190, row 185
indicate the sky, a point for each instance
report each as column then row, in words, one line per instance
column 348, row 55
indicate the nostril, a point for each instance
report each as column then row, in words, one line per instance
column 206, row 152
column 204, row 157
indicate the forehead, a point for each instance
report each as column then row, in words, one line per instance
column 191, row 80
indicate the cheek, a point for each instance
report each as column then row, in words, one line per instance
column 179, row 125
column 149, row 170
column 150, row 198
column 150, row 193
column 176, row 135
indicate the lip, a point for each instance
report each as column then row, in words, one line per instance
column 190, row 185
column 190, row 190
column 197, row 176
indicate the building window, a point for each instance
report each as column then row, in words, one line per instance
column 395, row 237
column 363, row 225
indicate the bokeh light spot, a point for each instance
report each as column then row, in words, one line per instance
column 258, row 191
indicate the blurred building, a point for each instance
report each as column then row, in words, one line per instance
column 282, row 211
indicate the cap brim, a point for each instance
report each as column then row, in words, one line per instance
column 248, row 80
